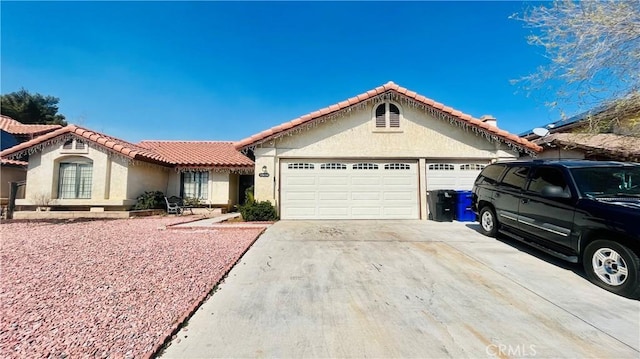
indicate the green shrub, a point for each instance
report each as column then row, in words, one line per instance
column 150, row 200
column 248, row 195
column 259, row 211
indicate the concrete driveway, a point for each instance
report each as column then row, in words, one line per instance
column 411, row 289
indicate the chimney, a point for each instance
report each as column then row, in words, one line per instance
column 490, row 120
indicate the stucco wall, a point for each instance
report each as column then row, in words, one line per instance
column 111, row 185
column 419, row 137
column 219, row 188
column 144, row 177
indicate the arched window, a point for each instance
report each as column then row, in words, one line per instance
column 387, row 116
column 75, row 178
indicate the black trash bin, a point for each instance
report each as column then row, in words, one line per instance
column 442, row 205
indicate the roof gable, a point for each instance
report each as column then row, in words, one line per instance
column 391, row 91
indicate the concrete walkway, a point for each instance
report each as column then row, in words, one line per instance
column 404, row 289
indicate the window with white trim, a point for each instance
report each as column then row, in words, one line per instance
column 387, row 116
column 75, row 179
column 300, row 166
column 195, row 185
column 333, row 166
column 397, row 166
column 441, row 167
column 365, row 166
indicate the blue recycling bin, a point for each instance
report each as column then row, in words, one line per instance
column 463, row 211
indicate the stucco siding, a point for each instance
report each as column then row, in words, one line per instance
column 219, row 188
column 143, row 178
column 419, row 135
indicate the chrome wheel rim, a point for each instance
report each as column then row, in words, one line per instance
column 487, row 221
column 609, row 266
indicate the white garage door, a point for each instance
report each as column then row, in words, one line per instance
column 334, row 189
column 452, row 175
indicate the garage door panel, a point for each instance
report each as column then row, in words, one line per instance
column 332, row 212
column 402, row 196
column 397, row 212
column 333, row 196
column 452, row 174
column 343, row 189
column 298, row 180
column 299, row 211
column 333, row 180
column 365, row 196
column 301, row 196
column 365, row 181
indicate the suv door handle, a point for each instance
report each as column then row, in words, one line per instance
column 525, row 200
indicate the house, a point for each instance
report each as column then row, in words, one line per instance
column 79, row 169
column 374, row 156
column 607, row 133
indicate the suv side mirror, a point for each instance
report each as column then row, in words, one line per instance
column 555, row 192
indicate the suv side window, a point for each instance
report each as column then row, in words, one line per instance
column 490, row 174
column 547, row 176
column 516, row 177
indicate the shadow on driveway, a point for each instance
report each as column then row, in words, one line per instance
column 574, row 267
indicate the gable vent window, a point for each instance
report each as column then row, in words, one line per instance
column 74, row 145
column 397, row 166
column 387, row 116
column 471, row 167
column 365, row 166
column 441, row 167
column 333, row 166
column 300, row 166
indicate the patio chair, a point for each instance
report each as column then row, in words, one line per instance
column 173, row 205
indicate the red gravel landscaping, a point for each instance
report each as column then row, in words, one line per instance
column 108, row 288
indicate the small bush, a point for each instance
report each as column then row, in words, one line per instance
column 192, row 202
column 259, row 211
column 248, row 195
column 150, row 200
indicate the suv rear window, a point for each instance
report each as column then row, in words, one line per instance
column 490, row 174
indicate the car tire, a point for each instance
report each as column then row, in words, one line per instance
column 612, row 266
column 488, row 221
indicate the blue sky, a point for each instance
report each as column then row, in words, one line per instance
column 227, row 70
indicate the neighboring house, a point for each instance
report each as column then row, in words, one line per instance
column 374, row 156
column 24, row 132
column 14, row 132
column 76, row 168
column 571, row 138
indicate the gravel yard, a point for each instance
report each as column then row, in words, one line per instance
column 106, row 288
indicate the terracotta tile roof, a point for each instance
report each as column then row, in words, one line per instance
column 116, row 145
column 199, row 153
column 6, row 161
column 16, row 128
column 167, row 153
column 502, row 135
column 624, row 148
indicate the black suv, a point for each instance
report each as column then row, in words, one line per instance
column 580, row 211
